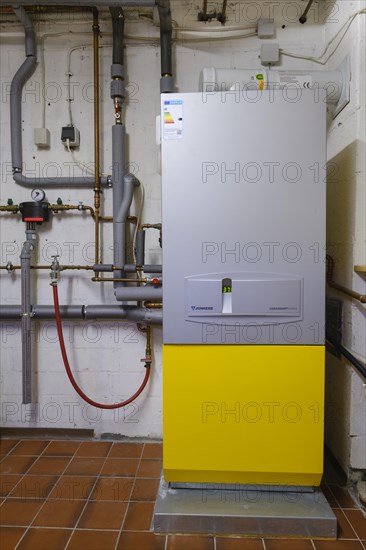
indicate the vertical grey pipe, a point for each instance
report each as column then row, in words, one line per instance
column 119, row 226
column 25, row 262
column 166, row 81
column 140, row 248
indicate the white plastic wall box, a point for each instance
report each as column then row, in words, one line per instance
column 244, row 199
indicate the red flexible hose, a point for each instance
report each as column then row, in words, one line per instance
column 68, row 369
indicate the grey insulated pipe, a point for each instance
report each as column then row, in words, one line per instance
column 166, row 81
column 26, row 312
column 22, row 75
column 105, row 3
column 86, row 313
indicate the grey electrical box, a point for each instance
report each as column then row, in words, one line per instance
column 244, row 217
column 266, row 28
column 270, row 54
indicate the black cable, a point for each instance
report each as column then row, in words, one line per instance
column 350, row 357
column 303, row 17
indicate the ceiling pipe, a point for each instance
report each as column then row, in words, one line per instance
column 166, row 81
column 87, row 3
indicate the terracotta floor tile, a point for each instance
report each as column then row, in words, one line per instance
column 6, row 445
column 16, row 464
column 226, row 543
column 29, row 448
column 49, row 465
column 8, row 483
column 184, row 542
column 329, row 496
column 103, row 515
column 345, row 530
column 37, row 487
column 85, row 466
column 113, row 488
column 120, row 467
column 73, row 487
column 19, row 511
column 10, row 536
column 126, row 450
column 337, row 545
column 141, row 541
column 61, row 448
column 94, row 448
column 293, row 544
column 45, row 539
column 343, row 497
column 153, row 450
column 59, row 513
column 358, row 522
column 150, row 468
column 139, row 516
column 95, row 540
column 145, row 489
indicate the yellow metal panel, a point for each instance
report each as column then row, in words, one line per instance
column 243, row 414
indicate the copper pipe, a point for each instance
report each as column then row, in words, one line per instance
column 97, row 187
column 330, row 269
column 120, row 280
column 153, row 305
column 14, row 208
column 63, row 267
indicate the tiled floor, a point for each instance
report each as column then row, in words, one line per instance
column 80, row 495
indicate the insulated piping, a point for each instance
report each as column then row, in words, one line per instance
column 22, row 75
column 88, row 3
column 26, row 312
column 85, row 313
column 166, row 81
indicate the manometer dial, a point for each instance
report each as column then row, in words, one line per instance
column 38, row 195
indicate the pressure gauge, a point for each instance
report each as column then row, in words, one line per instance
column 38, row 195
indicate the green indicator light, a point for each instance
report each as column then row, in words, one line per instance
column 226, row 289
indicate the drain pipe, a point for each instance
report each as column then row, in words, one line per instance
column 166, row 81
column 118, row 144
column 26, row 311
column 85, row 313
column 22, row 75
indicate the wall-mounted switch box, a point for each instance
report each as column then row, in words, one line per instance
column 270, row 54
column 70, row 135
column 42, row 137
column 266, row 28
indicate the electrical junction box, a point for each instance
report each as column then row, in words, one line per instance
column 42, row 137
column 266, row 28
column 72, row 134
column 244, row 194
column 270, row 54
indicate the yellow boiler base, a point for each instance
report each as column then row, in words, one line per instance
column 243, row 414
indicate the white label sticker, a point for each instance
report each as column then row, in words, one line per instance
column 297, row 80
column 173, row 119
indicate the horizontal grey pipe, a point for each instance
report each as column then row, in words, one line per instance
column 86, row 181
column 129, row 268
column 127, row 3
column 91, row 312
column 139, row 293
column 149, row 268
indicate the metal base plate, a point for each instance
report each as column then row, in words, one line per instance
column 215, row 509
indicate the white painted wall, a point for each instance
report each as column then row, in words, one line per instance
column 105, row 356
column 346, row 225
